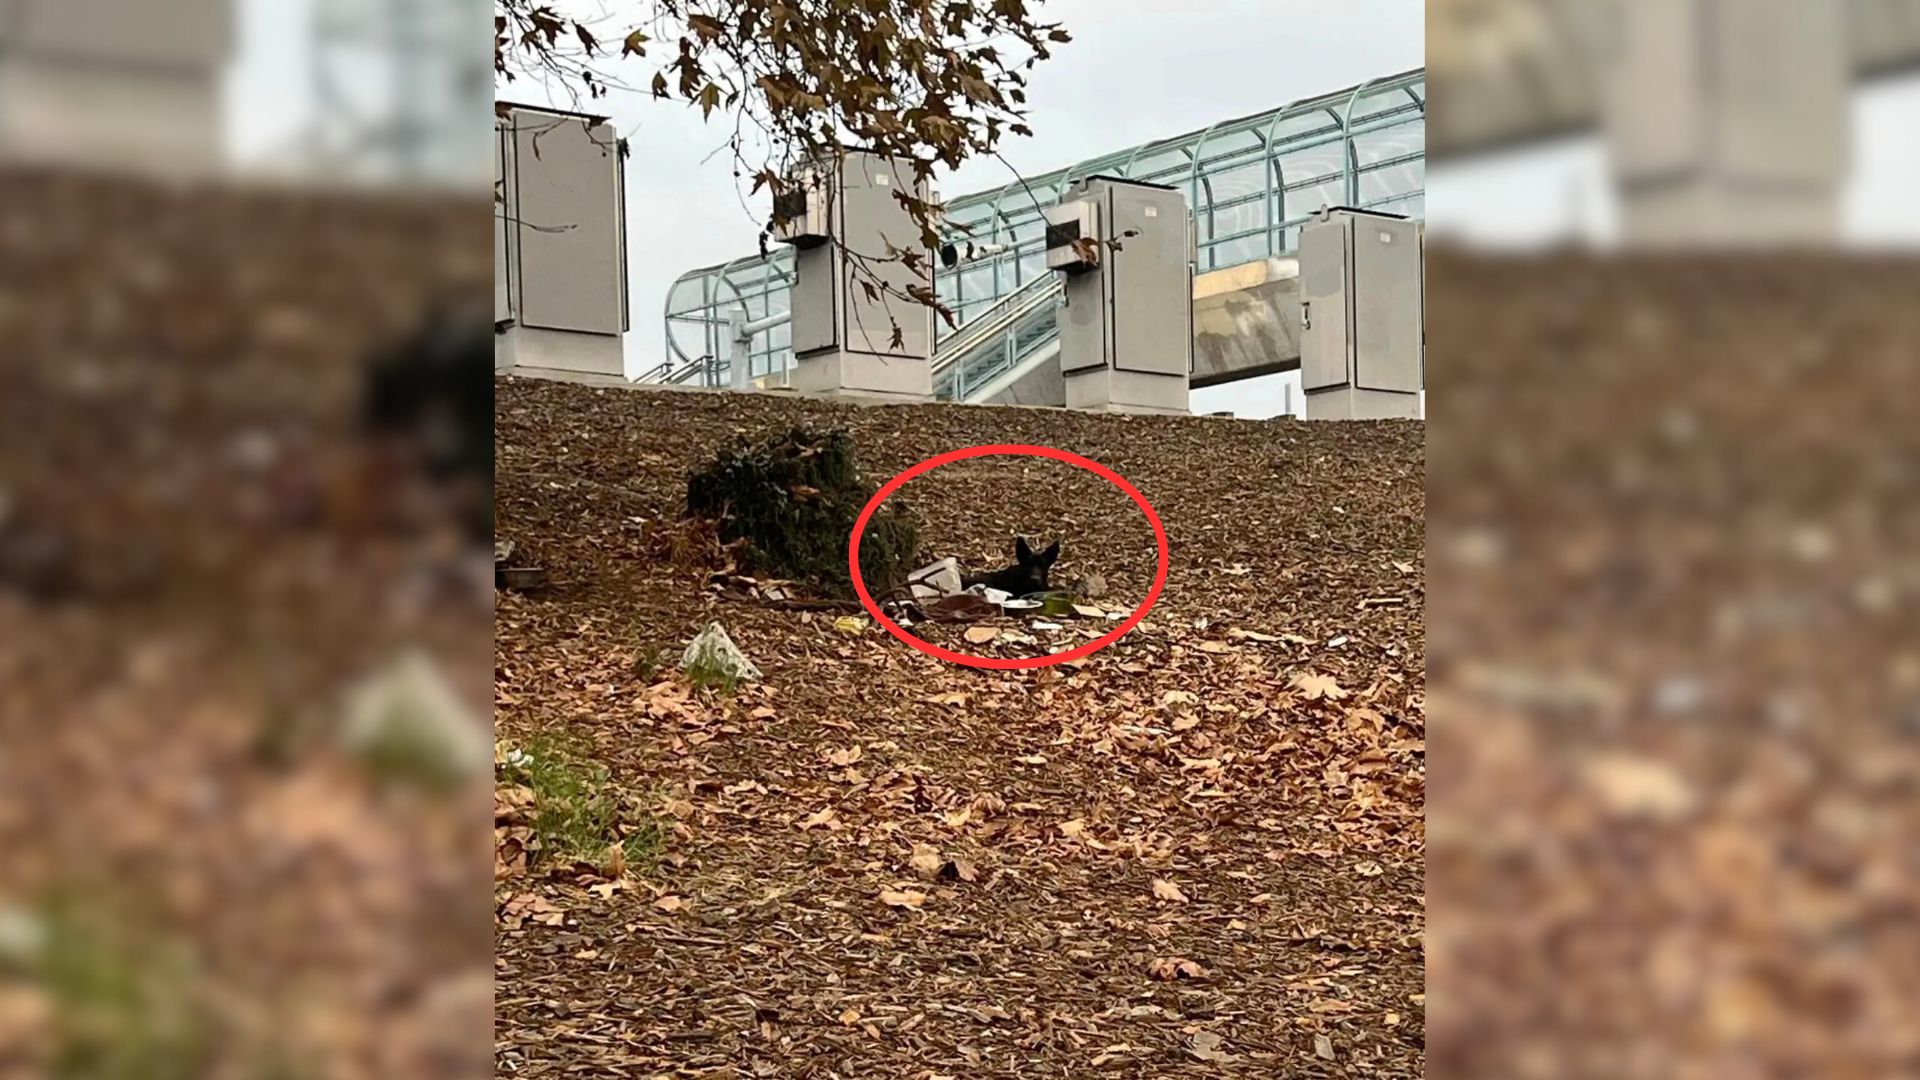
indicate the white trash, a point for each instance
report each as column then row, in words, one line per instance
column 936, row 580
column 408, row 714
column 713, row 651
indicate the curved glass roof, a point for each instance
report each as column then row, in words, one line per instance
column 1251, row 182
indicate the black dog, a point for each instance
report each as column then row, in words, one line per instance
column 433, row 389
column 1025, row 577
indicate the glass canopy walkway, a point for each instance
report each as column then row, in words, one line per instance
column 1252, row 182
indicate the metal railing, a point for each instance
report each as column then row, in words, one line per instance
column 963, row 373
column 1251, row 183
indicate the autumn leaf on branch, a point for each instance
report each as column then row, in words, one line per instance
column 918, row 84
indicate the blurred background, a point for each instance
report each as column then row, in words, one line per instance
column 245, row 619
column 244, row 648
column 1662, row 122
column 1675, row 597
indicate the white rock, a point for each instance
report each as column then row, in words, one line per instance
column 409, row 714
column 714, row 651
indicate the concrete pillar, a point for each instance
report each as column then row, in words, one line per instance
column 1726, row 121
column 115, row 83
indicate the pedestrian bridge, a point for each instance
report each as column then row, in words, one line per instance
column 1252, row 182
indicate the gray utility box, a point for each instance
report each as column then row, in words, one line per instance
column 1126, row 318
column 1362, row 315
column 842, row 222
column 559, row 243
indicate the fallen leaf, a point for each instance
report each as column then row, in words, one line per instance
column 1314, row 686
column 1171, row 968
column 1088, row 611
column 822, row 820
column 762, row 713
column 1074, row 829
column 850, row 1017
column 1405, row 568
column 980, row 635
column 1323, row 1047
column 902, row 898
column 1633, row 785
column 850, row 624
column 670, row 903
column 1369, row 869
column 1206, row 1047
column 845, row 757
column 926, row 862
column 531, row 907
column 1168, row 891
column 1032, row 759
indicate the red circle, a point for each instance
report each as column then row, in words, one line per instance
column 1023, row 450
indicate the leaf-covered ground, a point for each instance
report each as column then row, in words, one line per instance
column 199, row 879
column 1677, row 679
column 1200, row 848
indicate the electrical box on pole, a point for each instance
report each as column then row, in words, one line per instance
column 1126, row 318
column 857, row 327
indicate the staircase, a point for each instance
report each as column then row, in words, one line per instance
column 996, row 348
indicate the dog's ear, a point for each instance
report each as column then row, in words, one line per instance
column 1021, row 551
column 1052, row 553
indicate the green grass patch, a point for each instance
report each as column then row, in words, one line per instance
column 578, row 812
column 126, row 998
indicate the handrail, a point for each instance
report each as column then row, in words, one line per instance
column 1042, row 351
column 1000, row 319
column 959, row 373
column 998, row 309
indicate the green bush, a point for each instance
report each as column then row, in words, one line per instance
column 793, row 498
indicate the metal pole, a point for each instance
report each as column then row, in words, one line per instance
column 740, row 345
column 740, row 333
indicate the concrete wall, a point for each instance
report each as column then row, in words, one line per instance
column 1044, row 385
column 1246, row 321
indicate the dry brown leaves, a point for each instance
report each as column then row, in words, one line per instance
column 907, row 851
column 181, row 379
